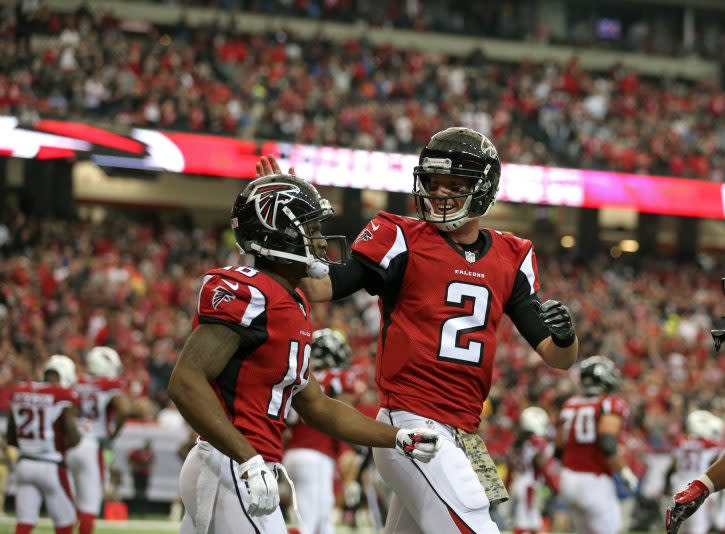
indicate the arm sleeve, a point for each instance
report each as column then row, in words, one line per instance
column 521, row 305
column 231, row 303
column 378, row 260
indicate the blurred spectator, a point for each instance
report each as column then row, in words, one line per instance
column 140, row 462
column 357, row 94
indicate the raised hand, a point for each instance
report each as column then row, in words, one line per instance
column 268, row 165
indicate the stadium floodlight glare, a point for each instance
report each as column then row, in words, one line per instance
column 568, row 241
column 629, row 245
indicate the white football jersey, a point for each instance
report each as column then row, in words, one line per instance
column 36, row 408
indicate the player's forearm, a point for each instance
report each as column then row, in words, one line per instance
column 347, row 424
column 200, row 406
column 556, row 356
column 317, row 290
column 716, row 473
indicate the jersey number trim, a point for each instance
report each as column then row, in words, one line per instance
column 449, row 348
column 32, row 425
column 291, row 381
column 583, row 420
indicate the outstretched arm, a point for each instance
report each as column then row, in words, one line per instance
column 345, row 423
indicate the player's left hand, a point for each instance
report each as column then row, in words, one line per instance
column 557, row 319
column 629, row 479
column 686, row 503
column 261, row 485
column 420, row 444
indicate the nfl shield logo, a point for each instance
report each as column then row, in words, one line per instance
column 470, row 256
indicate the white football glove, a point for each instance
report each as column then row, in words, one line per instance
column 261, row 483
column 420, row 444
column 629, row 478
column 352, row 494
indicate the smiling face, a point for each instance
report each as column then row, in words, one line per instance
column 448, row 193
column 318, row 244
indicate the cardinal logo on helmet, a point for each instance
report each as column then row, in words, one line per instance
column 268, row 198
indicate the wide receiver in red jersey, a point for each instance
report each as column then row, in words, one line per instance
column 589, row 426
column 691, row 498
column 311, row 456
column 103, row 409
column 444, row 284
column 43, row 426
column 247, row 362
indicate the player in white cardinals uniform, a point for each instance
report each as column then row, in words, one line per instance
column 693, row 453
column 43, row 426
column 532, row 451
column 102, row 412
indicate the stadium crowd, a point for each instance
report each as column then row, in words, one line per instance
column 89, row 66
column 68, row 286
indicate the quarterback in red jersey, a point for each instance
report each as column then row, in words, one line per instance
column 589, row 426
column 43, row 427
column 247, row 362
column 311, row 456
column 444, row 284
column 103, row 409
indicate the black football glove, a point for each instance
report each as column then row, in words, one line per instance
column 557, row 319
column 686, row 503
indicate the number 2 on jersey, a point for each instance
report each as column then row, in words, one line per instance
column 457, row 294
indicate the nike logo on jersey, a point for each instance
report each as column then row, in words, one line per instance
column 234, row 285
column 375, row 226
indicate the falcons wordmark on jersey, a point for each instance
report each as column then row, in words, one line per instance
column 257, row 385
column 440, row 311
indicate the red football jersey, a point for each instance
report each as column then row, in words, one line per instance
column 333, row 382
column 96, row 417
column 256, row 387
column 440, row 307
column 579, row 417
column 36, row 409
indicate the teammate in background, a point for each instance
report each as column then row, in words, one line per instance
column 529, row 465
column 444, row 284
column 103, row 409
column 589, row 427
column 43, row 426
column 691, row 498
column 694, row 451
column 311, row 456
column 247, row 362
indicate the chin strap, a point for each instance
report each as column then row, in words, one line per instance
column 315, row 268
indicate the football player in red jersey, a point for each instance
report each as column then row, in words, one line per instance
column 444, row 284
column 103, row 409
column 247, row 362
column 311, row 456
column 43, row 426
column 691, row 498
column 589, row 426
